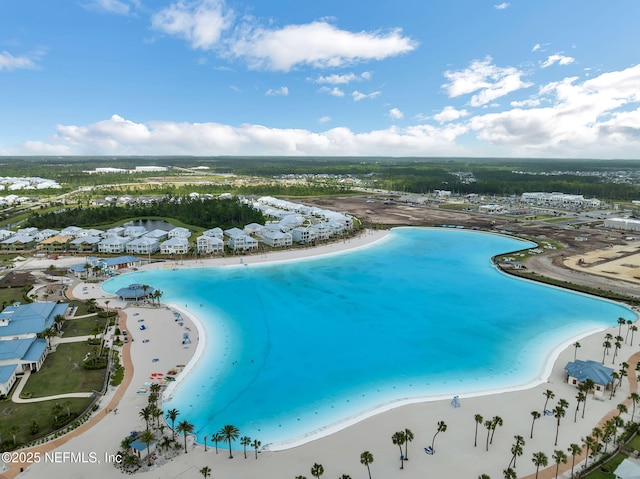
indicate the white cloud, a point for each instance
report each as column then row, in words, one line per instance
column 448, row 114
column 502, row 6
column 594, row 118
column 536, row 47
column 120, row 136
column 589, row 119
column 531, row 102
column 110, row 6
column 8, row 62
column 282, row 91
column 336, row 79
column 317, row 44
column 335, row 91
column 491, row 82
column 557, row 58
column 357, row 96
column 324, row 119
column 200, row 22
column 396, row 114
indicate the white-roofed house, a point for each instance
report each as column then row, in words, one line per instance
column 71, row 231
column 209, row 244
column 134, row 231
column 142, row 245
column 4, row 234
column 215, row 232
column 85, row 244
column 44, row 234
column 243, row 243
column 303, row 234
column 116, row 231
column 323, row 231
column 175, row 246
column 27, row 231
column 113, row 244
column 179, row 232
column 277, row 239
column 157, row 234
column 253, row 228
column 17, row 243
column 291, row 221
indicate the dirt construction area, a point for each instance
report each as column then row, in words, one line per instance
column 611, row 261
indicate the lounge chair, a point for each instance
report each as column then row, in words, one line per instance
column 429, row 450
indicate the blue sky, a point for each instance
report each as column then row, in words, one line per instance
column 333, row 78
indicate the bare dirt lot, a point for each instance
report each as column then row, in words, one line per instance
column 576, row 240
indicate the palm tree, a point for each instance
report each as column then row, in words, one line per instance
column 478, row 418
column 509, row 473
column 622, row 408
column 245, row 441
column 48, row 334
column 148, row 437
column 317, row 470
column 581, row 396
column 59, row 320
column 206, row 472
column 345, row 476
column 495, row 422
column 606, row 345
column 576, row 345
column 621, row 321
column 560, row 457
column 535, row 415
column 558, row 413
column 516, row 450
column 256, row 445
column 574, row 449
column 589, row 385
column 635, row 399
column 626, row 336
column 185, row 427
column 634, row 328
column 548, row 394
column 615, row 376
column 398, row 439
column 366, row 458
column 408, row 437
column 597, row 434
column 442, row 427
column 590, row 444
column 229, row 433
column 489, row 425
column 216, row 438
column 610, row 429
column 539, row 459
column 146, row 413
column 618, row 345
column 172, row 415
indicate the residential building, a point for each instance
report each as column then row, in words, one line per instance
column 85, row 244
column 179, row 232
column 134, row 231
column 121, row 262
column 215, row 232
column 18, row 243
column 143, row 245
column 209, row 244
column 243, row 242
column 175, row 246
column 304, row 235
column 56, row 244
column 276, row 239
column 113, row 245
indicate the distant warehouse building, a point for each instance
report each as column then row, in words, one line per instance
column 626, row 224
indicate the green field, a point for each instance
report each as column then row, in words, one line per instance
column 83, row 326
column 62, row 373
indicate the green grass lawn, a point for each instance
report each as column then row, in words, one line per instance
column 83, row 326
column 609, row 466
column 22, row 415
column 11, row 295
column 62, row 373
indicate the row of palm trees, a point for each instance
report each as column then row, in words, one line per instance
column 317, row 470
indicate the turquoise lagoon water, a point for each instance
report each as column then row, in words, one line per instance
column 294, row 348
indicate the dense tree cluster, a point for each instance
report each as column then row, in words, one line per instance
column 223, row 213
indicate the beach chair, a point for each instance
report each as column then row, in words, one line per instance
column 429, row 450
column 548, row 413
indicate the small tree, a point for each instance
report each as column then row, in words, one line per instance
column 317, row 470
column 366, row 458
column 539, row 460
column 398, row 439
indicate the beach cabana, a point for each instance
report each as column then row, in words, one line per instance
column 135, row 292
column 579, row 371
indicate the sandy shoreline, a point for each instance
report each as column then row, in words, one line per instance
column 339, row 451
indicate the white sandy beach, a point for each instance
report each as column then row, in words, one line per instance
column 339, row 453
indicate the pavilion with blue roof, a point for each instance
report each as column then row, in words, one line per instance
column 579, row 371
column 135, row 292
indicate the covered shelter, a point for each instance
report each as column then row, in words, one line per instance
column 579, row 371
column 135, row 292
